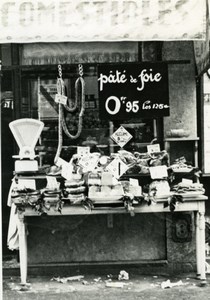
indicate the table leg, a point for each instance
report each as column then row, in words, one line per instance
column 198, row 255
column 22, row 248
column 202, row 250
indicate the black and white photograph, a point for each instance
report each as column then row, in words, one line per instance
column 105, row 149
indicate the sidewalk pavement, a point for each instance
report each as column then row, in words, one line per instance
column 109, row 287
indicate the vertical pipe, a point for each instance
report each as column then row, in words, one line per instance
column 155, row 128
column 111, row 131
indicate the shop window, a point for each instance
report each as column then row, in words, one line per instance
column 37, row 101
column 39, row 65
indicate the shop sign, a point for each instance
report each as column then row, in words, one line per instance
column 101, row 20
column 133, row 90
column 74, row 53
column 121, row 136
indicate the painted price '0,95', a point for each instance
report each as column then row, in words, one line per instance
column 130, row 106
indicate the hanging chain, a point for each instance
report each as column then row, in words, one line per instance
column 60, row 82
column 60, row 91
column 60, row 71
column 60, row 135
column 80, row 70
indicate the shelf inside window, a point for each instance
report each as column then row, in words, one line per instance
column 180, row 139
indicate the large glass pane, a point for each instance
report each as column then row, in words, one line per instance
column 38, row 101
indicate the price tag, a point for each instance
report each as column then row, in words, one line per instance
column 88, row 162
column 187, row 181
column 52, row 183
column 158, row 172
column 26, row 184
column 153, row 148
column 121, row 136
column 83, row 151
column 117, row 167
column 60, row 162
column 134, row 182
column 67, row 170
column 61, row 99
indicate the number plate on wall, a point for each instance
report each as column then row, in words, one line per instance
column 133, row 90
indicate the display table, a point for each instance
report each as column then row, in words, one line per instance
column 191, row 204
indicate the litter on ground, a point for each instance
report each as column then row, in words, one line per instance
column 66, row 279
column 123, row 275
column 115, row 284
column 168, row 284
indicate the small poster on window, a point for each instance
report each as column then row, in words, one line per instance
column 47, row 107
column 121, row 136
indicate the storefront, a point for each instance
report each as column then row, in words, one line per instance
column 140, row 107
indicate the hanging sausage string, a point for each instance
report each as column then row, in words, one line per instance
column 79, row 102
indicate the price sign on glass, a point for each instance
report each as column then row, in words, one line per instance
column 121, row 136
column 133, row 90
